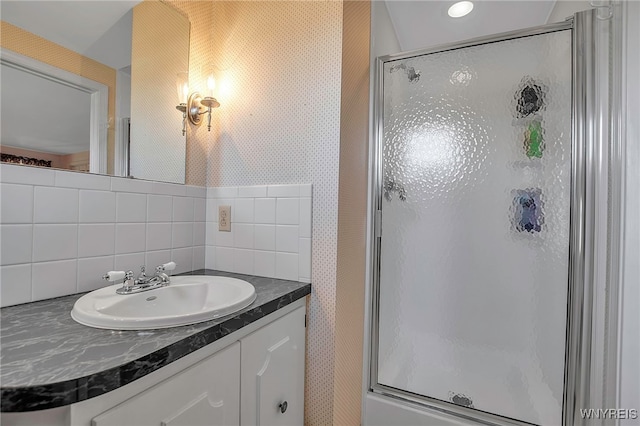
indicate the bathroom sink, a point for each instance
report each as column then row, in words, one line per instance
column 187, row 300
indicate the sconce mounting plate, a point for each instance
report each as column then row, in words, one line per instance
column 195, row 113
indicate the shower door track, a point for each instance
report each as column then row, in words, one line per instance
column 579, row 310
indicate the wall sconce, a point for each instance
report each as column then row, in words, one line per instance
column 195, row 106
column 182, row 85
column 196, row 101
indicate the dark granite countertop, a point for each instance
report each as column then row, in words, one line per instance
column 48, row 360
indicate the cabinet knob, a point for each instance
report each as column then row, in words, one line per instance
column 283, row 406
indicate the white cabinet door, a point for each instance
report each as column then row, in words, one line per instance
column 272, row 368
column 206, row 393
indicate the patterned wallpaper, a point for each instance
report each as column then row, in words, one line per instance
column 279, row 123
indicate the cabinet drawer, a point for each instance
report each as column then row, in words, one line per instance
column 206, row 393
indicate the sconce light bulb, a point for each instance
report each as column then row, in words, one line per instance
column 185, row 92
column 211, row 85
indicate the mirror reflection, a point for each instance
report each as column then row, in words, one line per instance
column 91, row 86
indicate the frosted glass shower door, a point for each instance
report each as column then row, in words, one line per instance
column 474, row 252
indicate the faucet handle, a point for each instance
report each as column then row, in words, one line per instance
column 114, row 275
column 166, row 267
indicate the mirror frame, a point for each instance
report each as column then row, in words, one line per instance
column 99, row 114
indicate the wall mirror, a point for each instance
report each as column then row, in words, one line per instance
column 91, row 86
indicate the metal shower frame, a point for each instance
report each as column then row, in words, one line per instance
column 587, row 177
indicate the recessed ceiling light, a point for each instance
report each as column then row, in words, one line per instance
column 460, row 9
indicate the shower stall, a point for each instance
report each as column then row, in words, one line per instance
column 487, row 172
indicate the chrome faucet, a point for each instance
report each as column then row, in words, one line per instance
column 143, row 282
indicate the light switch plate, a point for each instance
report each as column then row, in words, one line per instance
column 224, row 218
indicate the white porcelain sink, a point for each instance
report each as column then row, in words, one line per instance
column 187, row 300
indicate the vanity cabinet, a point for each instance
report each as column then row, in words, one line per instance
column 272, row 386
column 258, row 379
column 204, row 394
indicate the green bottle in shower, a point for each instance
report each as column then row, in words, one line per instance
column 533, row 140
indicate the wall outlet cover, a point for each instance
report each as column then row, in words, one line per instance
column 224, row 218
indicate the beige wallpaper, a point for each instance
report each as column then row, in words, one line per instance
column 33, row 46
column 279, row 122
column 352, row 213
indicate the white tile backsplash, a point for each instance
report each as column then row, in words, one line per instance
column 91, row 270
column 61, row 231
column 96, row 239
column 252, row 191
column 287, row 211
column 16, row 244
column 16, row 203
column 55, row 205
column 224, row 259
column 199, row 210
column 264, row 263
column 55, row 242
column 211, row 233
column 287, row 238
column 132, row 185
column 129, row 262
column 196, row 191
column 306, row 190
column 243, row 235
column 183, row 209
column 159, row 208
column 26, row 175
column 304, row 260
column 265, row 210
column 158, row 236
column 243, row 261
column 130, row 237
column 199, row 233
column 264, row 237
column 16, row 284
column 168, row 189
column 306, row 219
column 82, row 181
column 222, row 192
column 287, row 266
column 210, row 257
column 198, row 257
column 97, row 206
column 283, row 191
column 211, row 213
column 267, row 223
column 131, row 207
column 54, row 279
column 182, row 234
column 225, row 238
column 183, row 257
column 156, row 258
column 244, row 210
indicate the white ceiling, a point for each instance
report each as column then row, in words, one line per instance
column 420, row 24
column 97, row 29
